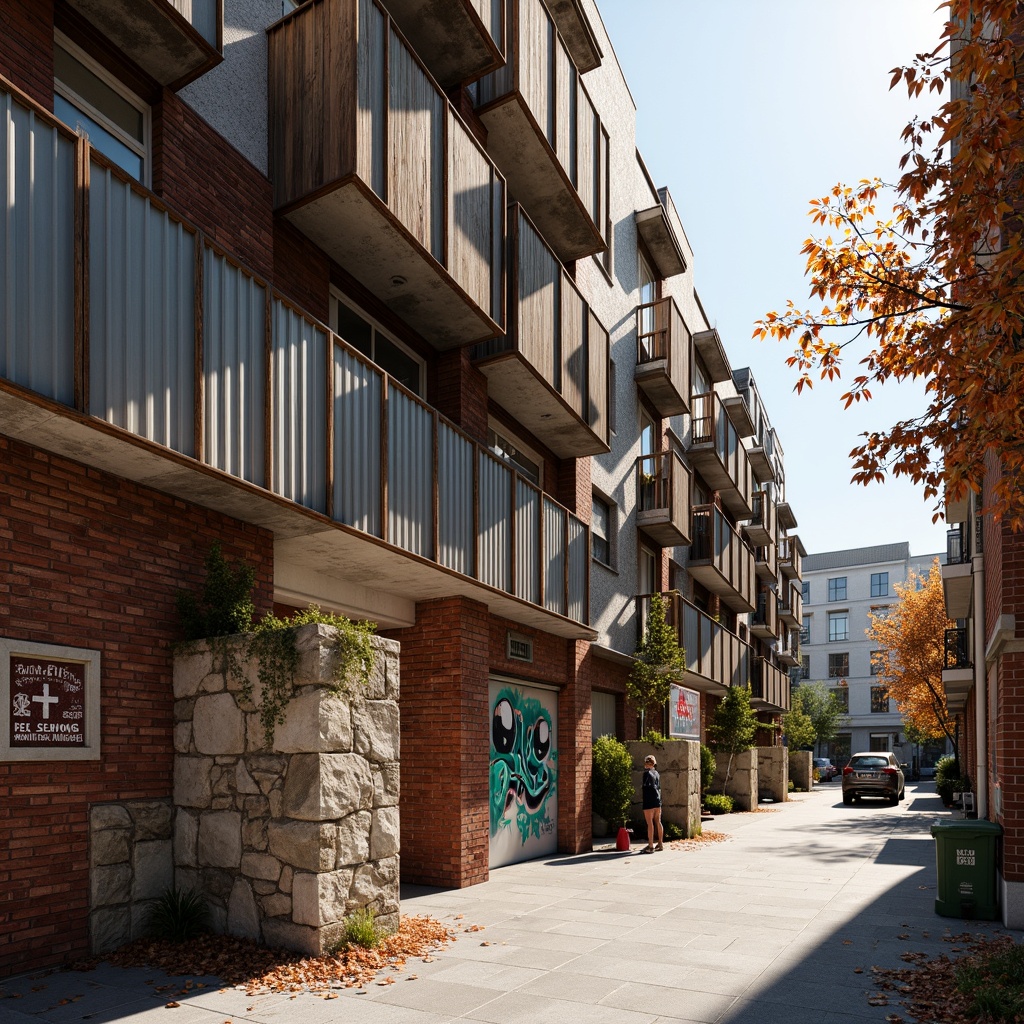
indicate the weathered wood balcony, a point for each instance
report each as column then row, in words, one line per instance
column 663, row 498
column 663, row 356
column 769, row 686
column 765, row 620
column 791, row 552
column 760, row 529
column 720, row 560
column 717, row 453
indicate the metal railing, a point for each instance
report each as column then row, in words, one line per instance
column 957, row 652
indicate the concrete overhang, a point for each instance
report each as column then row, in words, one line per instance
column 957, row 683
column 654, row 228
column 709, row 347
column 957, row 589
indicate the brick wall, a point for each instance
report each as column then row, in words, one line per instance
column 95, row 562
column 459, row 391
column 26, row 47
column 302, row 271
column 445, row 818
column 205, row 178
column 575, row 764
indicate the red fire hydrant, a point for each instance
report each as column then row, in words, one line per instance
column 622, row 839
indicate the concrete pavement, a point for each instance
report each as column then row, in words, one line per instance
column 769, row 925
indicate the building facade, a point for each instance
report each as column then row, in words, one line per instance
column 381, row 298
column 841, row 589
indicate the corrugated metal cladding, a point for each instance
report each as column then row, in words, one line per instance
column 357, row 443
column 299, row 410
column 554, row 557
column 527, row 542
column 579, row 559
column 455, row 533
column 37, row 182
column 495, row 551
column 201, row 15
column 141, row 315
column 410, row 474
column 234, row 333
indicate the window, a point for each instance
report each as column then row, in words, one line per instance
column 880, row 611
column 878, row 743
column 838, row 666
column 601, row 531
column 367, row 337
column 877, row 662
column 842, row 695
column 525, row 462
column 838, row 626
column 879, row 700
column 649, row 572
column 837, row 588
column 806, row 590
column 805, row 630
column 90, row 100
column 879, row 584
column 804, row 671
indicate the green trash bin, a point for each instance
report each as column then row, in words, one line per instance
column 965, row 856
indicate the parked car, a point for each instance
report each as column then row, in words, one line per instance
column 873, row 773
column 826, row 770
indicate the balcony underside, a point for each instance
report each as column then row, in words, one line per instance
column 784, row 514
column 704, row 459
column 766, row 570
column 956, row 589
column 449, row 37
column 789, row 617
column 739, row 413
column 704, row 684
column 957, row 683
column 711, row 350
column 306, row 538
column 576, row 31
column 758, row 535
column 357, row 231
column 517, row 387
column 535, row 177
column 708, row 576
column 654, row 228
column 788, row 569
column 761, row 465
column 654, row 380
column 789, row 658
column 764, row 630
column 154, row 35
column 657, row 524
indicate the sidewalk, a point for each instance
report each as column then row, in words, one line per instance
column 769, row 925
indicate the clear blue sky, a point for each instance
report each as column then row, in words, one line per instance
column 746, row 110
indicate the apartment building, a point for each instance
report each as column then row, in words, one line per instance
column 380, row 297
column 840, row 590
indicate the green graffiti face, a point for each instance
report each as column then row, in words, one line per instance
column 524, row 769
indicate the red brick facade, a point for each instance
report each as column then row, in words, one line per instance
column 95, row 562
column 26, row 49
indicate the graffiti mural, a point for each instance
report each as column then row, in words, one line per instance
column 523, row 773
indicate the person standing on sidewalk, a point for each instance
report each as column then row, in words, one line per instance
column 650, row 790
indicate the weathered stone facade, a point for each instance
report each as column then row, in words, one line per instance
column 743, row 781
column 773, row 773
column 285, row 841
column 679, row 770
column 130, row 865
column 800, row 769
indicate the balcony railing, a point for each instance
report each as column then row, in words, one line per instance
column 663, row 356
column 766, row 562
column 459, row 40
column 958, row 545
column 720, row 560
column 370, row 161
column 769, row 685
column 717, row 453
column 789, row 647
column 765, row 620
column 551, row 368
column 957, row 648
column 663, row 498
column 173, row 41
column 792, row 609
column 124, row 300
column 545, row 135
column 760, row 529
column 791, row 552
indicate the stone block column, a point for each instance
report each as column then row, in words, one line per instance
column 287, row 838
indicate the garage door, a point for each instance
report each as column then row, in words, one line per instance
column 524, row 772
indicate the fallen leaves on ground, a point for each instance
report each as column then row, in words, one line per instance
column 929, row 989
column 257, row 970
column 705, row 837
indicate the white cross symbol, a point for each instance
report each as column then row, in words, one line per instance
column 46, row 700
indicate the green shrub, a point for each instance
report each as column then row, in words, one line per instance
column 994, row 979
column 708, row 767
column 179, row 915
column 718, row 803
column 673, row 831
column 361, row 929
column 613, row 780
column 654, row 738
column 225, row 606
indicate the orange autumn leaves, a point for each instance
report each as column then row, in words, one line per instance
column 933, row 286
column 910, row 638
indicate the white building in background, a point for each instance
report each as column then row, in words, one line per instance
column 840, row 589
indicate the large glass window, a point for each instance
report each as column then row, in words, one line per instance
column 525, row 462
column 805, row 630
column 877, row 662
column 879, row 700
column 601, row 530
column 842, row 694
column 837, row 588
column 838, row 665
column 806, row 589
column 838, row 626
column 366, row 337
column 879, row 584
column 92, row 102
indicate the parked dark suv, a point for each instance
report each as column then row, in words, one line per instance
column 873, row 773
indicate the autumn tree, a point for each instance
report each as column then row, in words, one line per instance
column 924, row 278
column 911, row 656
